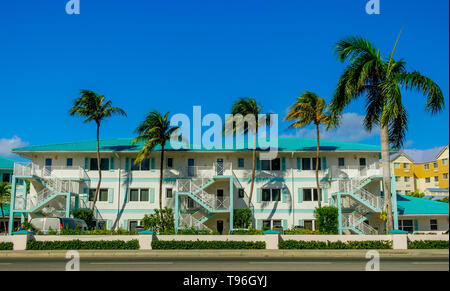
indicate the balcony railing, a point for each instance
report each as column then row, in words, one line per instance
column 62, row 172
column 353, row 171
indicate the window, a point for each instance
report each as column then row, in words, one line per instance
column 169, row 193
column 398, row 191
column 6, row 177
column 341, row 162
column 406, row 225
column 362, row 162
column 313, row 166
column 190, row 202
column 273, row 165
column 306, row 163
column 271, row 195
column 169, row 162
column 433, row 224
column 144, row 166
column 240, row 163
column 310, row 195
column 397, row 165
column 435, row 165
column 427, row 180
column 266, row 224
column 133, row 224
column 407, row 179
column 436, row 179
column 265, row 165
column 445, row 176
column 104, row 164
column 69, row 162
column 444, row 161
column 276, row 224
column 405, row 165
column 102, row 195
column 139, row 195
column 308, row 224
column 100, row 224
column 397, row 179
column 276, row 164
column 426, row 166
column 241, row 193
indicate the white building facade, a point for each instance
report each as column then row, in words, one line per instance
column 205, row 186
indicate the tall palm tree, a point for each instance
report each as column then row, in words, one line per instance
column 247, row 106
column 380, row 81
column 95, row 108
column 310, row 108
column 154, row 130
column 5, row 194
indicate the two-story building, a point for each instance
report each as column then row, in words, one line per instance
column 204, row 186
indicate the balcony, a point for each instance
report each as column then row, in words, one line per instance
column 337, row 172
column 61, row 172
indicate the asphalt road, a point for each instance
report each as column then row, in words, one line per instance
column 224, row 264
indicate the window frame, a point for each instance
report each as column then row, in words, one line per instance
column 433, row 226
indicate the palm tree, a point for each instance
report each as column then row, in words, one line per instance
column 309, row 108
column 5, row 192
column 248, row 107
column 380, row 80
column 154, row 130
column 95, row 108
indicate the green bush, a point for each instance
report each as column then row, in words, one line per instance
column 87, row 215
column 428, row 244
column 194, row 231
column 83, row 245
column 300, row 245
column 250, row 231
column 327, row 220
column 242, row 218
column 162, row 221
column 6, row 246
column 202, row 245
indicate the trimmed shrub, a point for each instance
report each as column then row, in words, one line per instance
column 203, row 245
column 327, row 220
column 83, row 245
column 428, row 244
column 242, row 218
column 300, row 231
column 6, row 246
column 303, row 245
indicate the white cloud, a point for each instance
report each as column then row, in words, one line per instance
column 6, row 145
column 351, row 129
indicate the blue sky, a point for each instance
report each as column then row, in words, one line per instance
column 171, row 55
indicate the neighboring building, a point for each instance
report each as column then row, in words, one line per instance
column 6, row 169
column 204, row 186
column 420, row 215
column 425, row 171
column 6, row 218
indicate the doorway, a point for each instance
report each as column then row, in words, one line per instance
column 219, row 225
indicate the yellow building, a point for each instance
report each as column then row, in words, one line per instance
column 425, row 171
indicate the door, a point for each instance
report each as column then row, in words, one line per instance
column 219, row 204
column 219, row 169
column 220, row 226
column 191, row 167
column 48, row 164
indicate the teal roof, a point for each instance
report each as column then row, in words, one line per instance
column 125, row 145
column 6, row 163
column 407, row 205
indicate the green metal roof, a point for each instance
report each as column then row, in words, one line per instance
column 6, row 163
column 407, row 205
column 125, row 145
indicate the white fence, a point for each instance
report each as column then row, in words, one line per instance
column 400, row 241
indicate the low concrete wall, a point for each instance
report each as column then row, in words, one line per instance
column 399, row 241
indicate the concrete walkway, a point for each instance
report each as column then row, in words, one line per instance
column 229, row 253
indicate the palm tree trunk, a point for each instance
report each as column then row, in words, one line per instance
column 385, row 158
column 99, row 168
column 253, row 172
column 161, row 173
column 3, row 217
column 319, row 195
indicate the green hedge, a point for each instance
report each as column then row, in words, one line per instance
column 6, row 246
column 83, row 245
column 428, row 244
column 300, row 245
column 201, row 245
